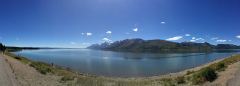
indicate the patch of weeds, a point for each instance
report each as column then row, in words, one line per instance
column 67, row 78
column 168, row 82
column 19, row 58
column 180, row 80
column 189, row 72
column 220, row 66
column 205, row 74
column 42, row 67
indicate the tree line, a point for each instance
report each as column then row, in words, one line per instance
column 2, row 48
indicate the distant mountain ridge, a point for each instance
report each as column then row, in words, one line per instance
column 140, row 45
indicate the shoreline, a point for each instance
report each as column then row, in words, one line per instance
column 179, row 73
column 167, row 75
column 149, row 80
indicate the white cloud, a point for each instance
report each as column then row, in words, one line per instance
column 135, row 29
column 163, row 22
column 83, row 33
column 200, row 39
column 72, row 43
column 174, row 38
column 109, row 32
column 187, row 34
column 106, row 40
column 89, row 34
column 221, row 40
column 193, row 38
column 238, row 36
column 214, row 38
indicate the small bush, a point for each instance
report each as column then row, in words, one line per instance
column 189, row 72
column 180, row 80
column 67, row 78
column 18, row 58
column 220, row 66
column 205, row 74
column 168, row 82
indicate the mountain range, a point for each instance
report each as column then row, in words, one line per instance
column 140, row 45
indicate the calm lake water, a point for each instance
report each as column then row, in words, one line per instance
column 122, row 64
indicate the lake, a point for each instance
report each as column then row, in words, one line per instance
column 122, row 64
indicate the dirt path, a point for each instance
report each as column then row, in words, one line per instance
column 7, row 77
column 235, row 81
column 28, row 76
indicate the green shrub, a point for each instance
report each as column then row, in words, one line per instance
column 180, row 80
column 67, row 78
column 205, row 74
column 168, row 82
column 189, row 72
column 220, row 66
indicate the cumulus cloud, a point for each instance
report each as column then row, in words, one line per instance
column 200, row 39
column 106, row 40
column 238, row 36
column 221, row 40
column 135, row 29
column 109, row 32
column 194, row 39
column 163, row 22
column 187, row 34
column 174, row 38
column 89, row 34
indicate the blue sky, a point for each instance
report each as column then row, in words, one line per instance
column 79, row 23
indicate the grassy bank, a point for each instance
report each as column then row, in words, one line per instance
column 45, row 68
column 209, row 73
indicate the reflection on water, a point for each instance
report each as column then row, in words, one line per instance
column 122, row 64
